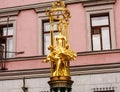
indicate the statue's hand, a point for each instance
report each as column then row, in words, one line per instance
column 50, row 47
column 45, row 61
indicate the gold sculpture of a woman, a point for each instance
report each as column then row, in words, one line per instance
column 60, row 52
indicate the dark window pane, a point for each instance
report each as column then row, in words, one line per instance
column 96, row 31
column 6, row 40
column 106, row 91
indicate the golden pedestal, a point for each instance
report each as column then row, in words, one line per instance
column 60, row 84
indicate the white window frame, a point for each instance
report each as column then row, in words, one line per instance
column 41, row 17
column 90, row 10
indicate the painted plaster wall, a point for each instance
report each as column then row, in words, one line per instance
column 34, row 85
column 27, row 33
column 117, row 22
column 96, row 59
column 12, row 3
column 78, row 31
column 87, row 83
column 77, row 27
column 27, row 27
column 26, row 64
column 27, row 37
column 78, row 38
column 82, row 83
column 80, row 60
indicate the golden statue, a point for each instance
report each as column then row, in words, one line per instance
column 60, row 52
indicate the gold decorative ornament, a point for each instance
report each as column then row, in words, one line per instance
column 60, row 52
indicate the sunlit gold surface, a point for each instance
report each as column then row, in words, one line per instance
column 60, row 52
column 61, row 78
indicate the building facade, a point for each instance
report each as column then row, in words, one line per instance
column 93, row 34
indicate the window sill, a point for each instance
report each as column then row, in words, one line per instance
column 78, row 54
column 98, row 52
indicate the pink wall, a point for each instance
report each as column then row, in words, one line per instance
column 27, row 64
column 117, row 22
column 11, row 3
column 27, row 36
column 27, row 29
column 80, row 60
column 77, row 27
column 97, row 59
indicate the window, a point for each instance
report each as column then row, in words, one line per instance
column 106, row 91
column 6, row 39
column 100, row 32
column 101, row 14
column 46, row 35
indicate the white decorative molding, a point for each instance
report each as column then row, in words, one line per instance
column 25, row 7
column 41, row 16
column 75, row 70
column 11, row 13
column 40, row 7
column 97, row 2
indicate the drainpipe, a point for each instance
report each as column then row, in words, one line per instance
column 24, row 88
